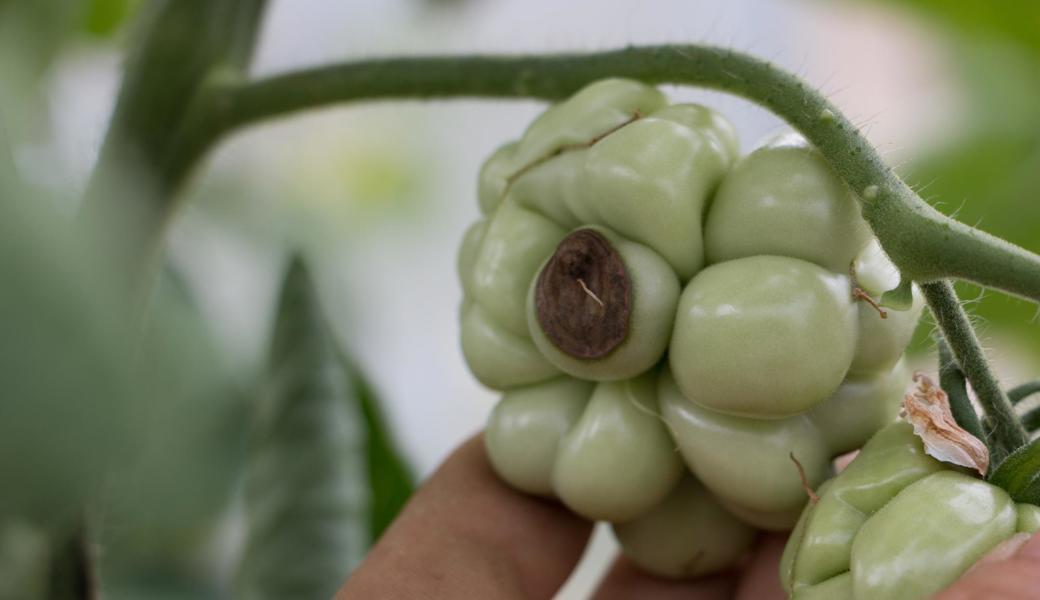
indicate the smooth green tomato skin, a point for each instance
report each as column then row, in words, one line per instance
column 783, row 199
column 618, row 461
column 498, row 358
column 593, row 111
column 524, row 431
column 896, row 524
column 601, row 450
column 764, row 336
column 746, row 462
column 1028, row 518
column 494, row 178
column 511, row 250
column 948, row 516
column 650, row 181
column 687, row 535
column 468, row 251
column 862, row 405
column 655, row 292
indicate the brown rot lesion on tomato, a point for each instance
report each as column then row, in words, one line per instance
column 583, row 296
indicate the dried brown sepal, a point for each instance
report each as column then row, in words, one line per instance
column 859, row 294
column 927, row 408
column 813, row 498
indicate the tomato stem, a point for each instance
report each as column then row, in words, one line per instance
column 1008, row 434
column 925, row 244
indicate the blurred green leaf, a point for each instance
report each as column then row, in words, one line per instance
column 23, row 561
column 32, row 33
column 988, row 171
column 305, row 490
column 1015, row 20
column 194, row 452
column 68, row 409
column 105, row 16
column 390, row 480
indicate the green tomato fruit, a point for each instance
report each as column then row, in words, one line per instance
column 783, row 199
column 593, row 111
column 948, row 519
column 615, row 160
column 602, row 307
column 511, row 250
column 524, row 431
column 764, row 336
column 498, row 358
column 897, row 523
column 747, row 462
column 618, row 461
column 687, row 535
column 494, row 178
column 659, row 167
column 602, row 450
column 861, row 406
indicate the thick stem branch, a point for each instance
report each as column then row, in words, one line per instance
column 923, row 243
column 949, row 314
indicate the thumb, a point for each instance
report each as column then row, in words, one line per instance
column 1010, row 571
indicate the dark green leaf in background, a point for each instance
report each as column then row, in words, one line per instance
column 390, row 480
column 324, row 477
column 305, row 489
column 1019, row 474
column 160, row 513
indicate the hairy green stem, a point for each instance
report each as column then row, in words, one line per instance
column 925, row 244
column 1008, row 432
column 1031, row 420
column 1021, row 392
column 951, row 379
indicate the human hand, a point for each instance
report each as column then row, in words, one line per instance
column 1010, row 572
column 466, row 534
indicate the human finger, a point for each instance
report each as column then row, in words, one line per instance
column 466, row 535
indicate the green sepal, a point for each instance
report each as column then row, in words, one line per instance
column 900, row 297
column 1019, row 474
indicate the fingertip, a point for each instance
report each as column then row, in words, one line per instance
column 761, row 575
column 625, row 580
column 1030, row 550
column 467, row 534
